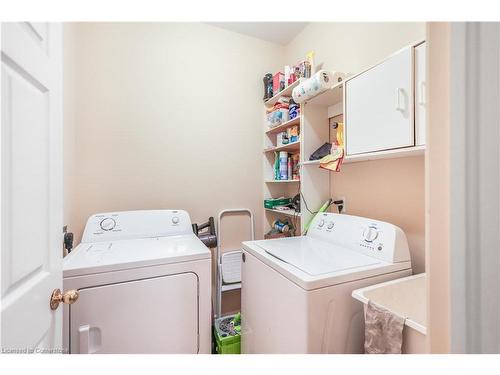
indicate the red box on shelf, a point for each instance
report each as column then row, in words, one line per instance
column 277, row 79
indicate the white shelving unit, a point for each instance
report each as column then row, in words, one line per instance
column 280, row 188
column 316, row 115
column 316, row 130
column 314, row 184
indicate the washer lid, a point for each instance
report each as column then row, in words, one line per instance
column 316, row 257
column 312, row 263
column 107, row 256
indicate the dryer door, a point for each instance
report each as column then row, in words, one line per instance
column 156, row 315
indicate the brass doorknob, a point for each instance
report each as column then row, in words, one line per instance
column 57, row 297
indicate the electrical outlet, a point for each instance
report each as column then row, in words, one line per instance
column 344, row 204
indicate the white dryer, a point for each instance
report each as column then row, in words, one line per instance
column 144, row 284
column 296, row 292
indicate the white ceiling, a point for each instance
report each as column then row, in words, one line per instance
column 276, row 32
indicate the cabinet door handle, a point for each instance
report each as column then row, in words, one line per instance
column 83, row 334
column 421, row 96
column 399, row 107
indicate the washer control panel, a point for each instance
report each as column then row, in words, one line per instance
column 112, row 226
column 374, row 238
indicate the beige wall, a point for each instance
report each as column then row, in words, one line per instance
column 390, row 190
column 352, row 47
column 163, row 116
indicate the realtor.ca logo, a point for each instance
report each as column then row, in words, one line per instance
column 34, row 351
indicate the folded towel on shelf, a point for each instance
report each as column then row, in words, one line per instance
column 383, row 330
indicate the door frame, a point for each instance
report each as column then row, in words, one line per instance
column 474, row 187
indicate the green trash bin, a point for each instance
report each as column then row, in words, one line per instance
column 227, row 332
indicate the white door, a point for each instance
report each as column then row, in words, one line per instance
column 379, row 106
column 31, row 185
column 157, row 315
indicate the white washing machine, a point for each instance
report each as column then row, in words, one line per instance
column 144, row 283
column 296, row 292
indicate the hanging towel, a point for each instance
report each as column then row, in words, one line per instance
column 332, row 161
column 383, row 330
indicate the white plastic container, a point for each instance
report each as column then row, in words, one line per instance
column 405, row 297
column 277, row 117
column 281, row 139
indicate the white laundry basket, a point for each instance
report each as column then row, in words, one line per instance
column 229, row 263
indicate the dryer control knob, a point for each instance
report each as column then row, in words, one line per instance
column 321, row 223
column 108, row 224
column 370, row 234
column 330, row 226
column 175, row 220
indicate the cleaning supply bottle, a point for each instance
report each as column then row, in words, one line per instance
column 276, row 166
column 283, row 165
column 289, row 171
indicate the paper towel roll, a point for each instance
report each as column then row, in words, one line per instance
column 319, row 82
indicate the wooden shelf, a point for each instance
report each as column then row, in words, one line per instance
column 309, row 162
column 286, row 92
column 288, row 212
column 284, row 126
column 294, row 146
column 280, row 181
column 330, row 97
column 387, row 154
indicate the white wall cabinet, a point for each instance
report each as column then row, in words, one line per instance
column 379, row 106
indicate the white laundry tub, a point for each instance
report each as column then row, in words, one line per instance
column 405, row 297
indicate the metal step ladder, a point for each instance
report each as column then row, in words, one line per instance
column 229, row 262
